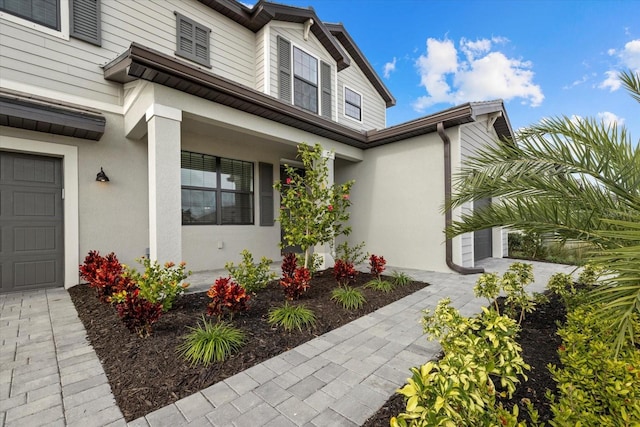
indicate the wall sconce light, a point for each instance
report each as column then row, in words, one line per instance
column 101, row 176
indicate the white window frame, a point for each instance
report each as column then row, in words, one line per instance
column 293, row 78
column 62, row 33
column 344, row 104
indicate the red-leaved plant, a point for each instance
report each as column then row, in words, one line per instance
column 137, row 313
column 226, row 296
column 104, row 274
column 344, row 272
column 297, row 284
column 289, row 265
column 377, row 264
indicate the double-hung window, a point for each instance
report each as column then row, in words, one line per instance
column 352, row 104
column 43, row 12
column 216, row 190
column 305, row 80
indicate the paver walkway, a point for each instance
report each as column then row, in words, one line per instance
column 51, row 376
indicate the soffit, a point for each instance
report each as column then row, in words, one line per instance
column 25, row 111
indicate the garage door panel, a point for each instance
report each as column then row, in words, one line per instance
column 34, row 239
column 32, row 203
column 34, row 274
column 31, row 220
column 35, row 170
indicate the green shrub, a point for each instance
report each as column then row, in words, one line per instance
column 562, row 284
column 159, row 284
column 590, row 274
column 252, row 277
column 353, row 254
column 512, row 282
column 380, row 285
column 211, row 342
column 459, row 390
column 400, row 279
column 349, row 298
column 292, row 317
column 596, row 387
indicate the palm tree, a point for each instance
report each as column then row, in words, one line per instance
column 571, row 179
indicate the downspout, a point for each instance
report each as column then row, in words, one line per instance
column 448, row 216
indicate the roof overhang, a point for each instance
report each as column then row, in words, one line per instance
column 30, row 112
column 264, row 12
column 339, row 32
column 140, row 62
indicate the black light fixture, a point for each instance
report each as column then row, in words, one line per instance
column 101, row 176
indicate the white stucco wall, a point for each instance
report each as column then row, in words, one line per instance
column 397, row 200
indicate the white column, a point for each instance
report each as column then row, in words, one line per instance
column 165, row 220
column 324, row 251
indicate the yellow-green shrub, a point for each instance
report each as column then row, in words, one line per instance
column 596, row 388
column 459, row 390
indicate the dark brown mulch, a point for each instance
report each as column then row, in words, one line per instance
column 539, row 348
column 146, row 373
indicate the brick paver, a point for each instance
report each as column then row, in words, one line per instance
column 50, row 375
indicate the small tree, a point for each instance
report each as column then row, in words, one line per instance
column 312, row 212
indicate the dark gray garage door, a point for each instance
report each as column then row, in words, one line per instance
column 482, row 239
column 31, row 222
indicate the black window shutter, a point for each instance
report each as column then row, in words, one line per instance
column 325, row 82
column 266, row 194
column 85, row 20
column 192, row 40
column 284, row 69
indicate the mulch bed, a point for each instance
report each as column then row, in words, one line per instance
column 146, row 374
column 539, row 348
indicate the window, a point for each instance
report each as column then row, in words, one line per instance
column 43, row 12
column 305, row 80
column 352, row 104
column 299, row 78
column 192, row 40
column 216, row 190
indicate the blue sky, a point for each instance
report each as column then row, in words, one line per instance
column 544, row 58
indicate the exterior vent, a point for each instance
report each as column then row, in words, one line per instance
column 192, row 40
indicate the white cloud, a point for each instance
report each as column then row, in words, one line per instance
column 483, row 74
column 609, row 119
column 584, row 79
column 389, row 67
column 611, row 82
column 631, row 55
column 629, row 58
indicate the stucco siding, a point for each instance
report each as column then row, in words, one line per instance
column 397, row 197
column 207, row 247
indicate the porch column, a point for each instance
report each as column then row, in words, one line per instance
column 325, row 250
column 165, row 223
